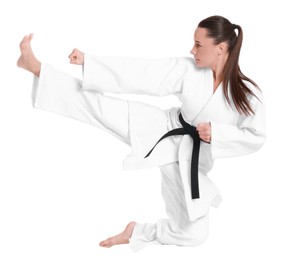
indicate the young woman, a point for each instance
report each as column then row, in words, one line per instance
column 221, row 115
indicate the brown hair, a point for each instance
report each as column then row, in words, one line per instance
column 222, row 30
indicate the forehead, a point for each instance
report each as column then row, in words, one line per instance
column 201, row 34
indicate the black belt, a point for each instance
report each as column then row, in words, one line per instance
column 188, row 129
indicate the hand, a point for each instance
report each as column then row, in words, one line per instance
column 76, row 57
column 204, row 131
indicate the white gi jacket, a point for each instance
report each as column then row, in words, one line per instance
column 232, row 134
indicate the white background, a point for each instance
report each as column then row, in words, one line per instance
column 62, row 187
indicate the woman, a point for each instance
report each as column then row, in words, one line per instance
column 222, row 115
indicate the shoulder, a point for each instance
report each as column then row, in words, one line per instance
column 191, row 66
column 188, row 60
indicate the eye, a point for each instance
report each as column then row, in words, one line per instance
column 198, row 45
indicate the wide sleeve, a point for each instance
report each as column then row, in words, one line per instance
column 246, row 137
column 158, row 77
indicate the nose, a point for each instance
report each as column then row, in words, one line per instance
column 193, row 51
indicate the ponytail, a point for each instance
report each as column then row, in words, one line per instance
column 234, row 78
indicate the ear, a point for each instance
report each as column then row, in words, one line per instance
column 222, row 47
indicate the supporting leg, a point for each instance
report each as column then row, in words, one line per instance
column 177, row 229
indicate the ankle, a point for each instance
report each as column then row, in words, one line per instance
column 37, row 69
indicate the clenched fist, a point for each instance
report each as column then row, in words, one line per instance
column 204, row 130
column 76, row 57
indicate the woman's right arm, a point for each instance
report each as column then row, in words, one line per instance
column 158, row 77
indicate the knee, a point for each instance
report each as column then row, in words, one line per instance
column 187, row 234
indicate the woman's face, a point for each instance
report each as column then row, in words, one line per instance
column 205, row 51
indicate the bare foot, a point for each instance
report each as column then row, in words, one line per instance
column 122, row 238
column 27, row 60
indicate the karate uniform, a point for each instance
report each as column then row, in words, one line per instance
column 141, row 126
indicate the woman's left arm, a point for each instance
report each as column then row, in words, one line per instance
column 246, row 137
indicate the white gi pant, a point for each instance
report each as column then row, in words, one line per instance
column 58, row 92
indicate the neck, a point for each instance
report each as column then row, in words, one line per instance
column 218, row 71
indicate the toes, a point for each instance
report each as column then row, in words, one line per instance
column 105, row 243
column 26, row 41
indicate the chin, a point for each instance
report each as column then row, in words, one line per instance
column 200, row 65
